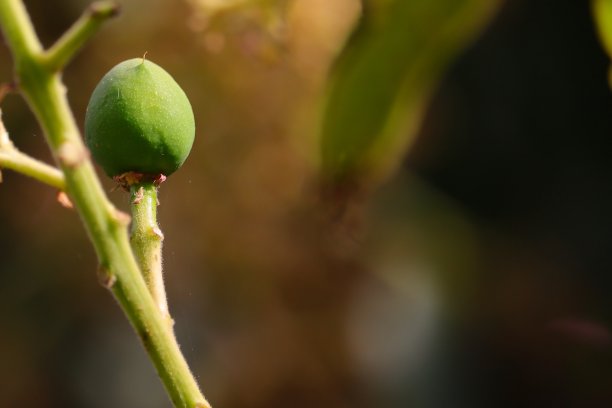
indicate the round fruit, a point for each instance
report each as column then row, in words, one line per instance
column 139, row 120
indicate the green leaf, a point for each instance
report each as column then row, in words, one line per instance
column 602, row 11
column 383, row 79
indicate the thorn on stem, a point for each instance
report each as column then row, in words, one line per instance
column 64, row 200
column 123, row 218
column 106, row 277
column 158, row 232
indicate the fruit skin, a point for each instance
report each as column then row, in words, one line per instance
column 139, row 120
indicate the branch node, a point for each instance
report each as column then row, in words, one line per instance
column 122, row 218
column 4, row 136
column 130, row 178
column 72, row 155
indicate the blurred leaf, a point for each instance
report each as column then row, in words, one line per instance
column 384, row 77
column 268, row 13
column 213, row 7
column 602, row 11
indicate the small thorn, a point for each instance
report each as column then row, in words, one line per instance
column 64, row 200
column 158, row 232
column 106, row 277
column 123, row 218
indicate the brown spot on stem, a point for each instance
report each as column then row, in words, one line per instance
column 138, row 196
column 106, row 277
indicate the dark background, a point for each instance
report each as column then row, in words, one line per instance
column 480, row 275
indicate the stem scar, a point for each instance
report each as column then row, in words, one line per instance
column 158, row 232
column 106, row 277
column 138, row 196
column 71, row 155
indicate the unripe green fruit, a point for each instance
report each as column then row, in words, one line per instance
column 139, row 120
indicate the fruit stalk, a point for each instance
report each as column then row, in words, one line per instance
column 107, row 227
column 146, row 239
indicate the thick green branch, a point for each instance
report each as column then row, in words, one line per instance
column 18, row 29
column 106, row 226
column 81, row 31
column 146, row 240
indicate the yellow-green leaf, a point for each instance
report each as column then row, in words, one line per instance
column 602, row 11
column 383, row 79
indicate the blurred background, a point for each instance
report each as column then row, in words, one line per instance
column 478, row 275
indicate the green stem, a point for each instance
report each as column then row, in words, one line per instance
column 11, row 158
column 60, row 53
column 106, row 226
column 19, row 162
column 146, row 240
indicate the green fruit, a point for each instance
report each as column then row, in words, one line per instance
column 139, row 120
